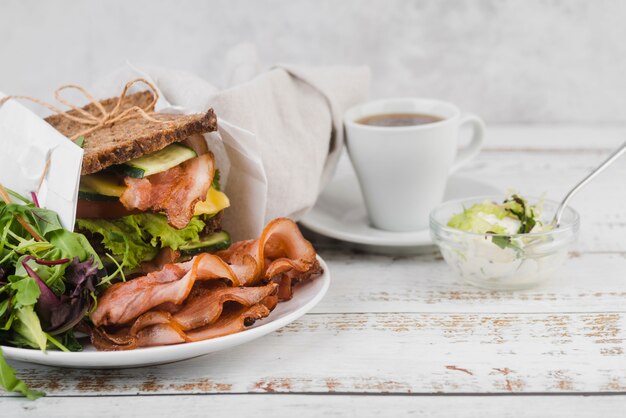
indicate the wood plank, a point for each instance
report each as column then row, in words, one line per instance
column 376, row 283
column 316, row 405
column 399, row 353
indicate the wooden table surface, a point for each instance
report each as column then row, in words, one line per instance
column 402, row 334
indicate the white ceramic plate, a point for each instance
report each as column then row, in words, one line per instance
column 340, row 212
column 306, row 296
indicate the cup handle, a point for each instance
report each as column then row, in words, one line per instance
column 464, row 155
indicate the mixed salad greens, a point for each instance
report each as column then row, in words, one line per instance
column 49, row 278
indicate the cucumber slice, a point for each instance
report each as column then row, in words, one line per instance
column 212, row 243
column 157, row 162
column 102, row 183
column 89, row 195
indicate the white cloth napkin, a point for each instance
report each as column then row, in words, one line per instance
column 280, row 133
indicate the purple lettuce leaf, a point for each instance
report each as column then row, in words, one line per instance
column 47, row 299
column 59, row 314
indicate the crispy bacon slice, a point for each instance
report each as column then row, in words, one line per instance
column 175, row 191
column 230, row 322
column 123, row 302
column 235, row 320
column 155, row 335
column 206, row 304
column 280, row 248
column 203, row 309
column 160, row 334
column 287, row 280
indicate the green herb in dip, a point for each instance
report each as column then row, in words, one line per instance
column 513, row 216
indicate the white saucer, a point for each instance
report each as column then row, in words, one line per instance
column 340, row 212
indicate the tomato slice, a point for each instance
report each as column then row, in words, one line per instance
column 90, row 209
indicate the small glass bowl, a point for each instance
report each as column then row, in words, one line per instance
column 482, row 263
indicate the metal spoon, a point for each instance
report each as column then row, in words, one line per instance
column 559, row 212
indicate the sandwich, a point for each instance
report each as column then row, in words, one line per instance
column 149, row 190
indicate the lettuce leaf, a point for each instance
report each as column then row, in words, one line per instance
column 485, row 217
column 121, row 237
column 26, row 290
column 469, row 220
column 11, row 383
column 71, row 245
column 28, row 326
column 163, row 235
column 139, row 237
column 46, row 220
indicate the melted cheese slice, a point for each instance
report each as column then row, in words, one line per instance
column 215, row 202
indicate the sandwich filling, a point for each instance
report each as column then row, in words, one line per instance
column 160, row 206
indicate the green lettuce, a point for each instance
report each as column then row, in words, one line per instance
column 10, row 382
column 163, row 235
column 138, row 238
column 469, row 220
column 28, row 326
column 120, row 238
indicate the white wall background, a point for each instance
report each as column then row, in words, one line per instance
column 507, row 60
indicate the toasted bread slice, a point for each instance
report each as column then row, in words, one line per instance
column 130, row 139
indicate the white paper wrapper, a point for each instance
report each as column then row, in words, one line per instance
column 26, row 143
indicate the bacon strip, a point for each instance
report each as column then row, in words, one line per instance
column 201, row 313
column 230, row 323
column 287, row 280
column 280, row 248
column 175, row 191
column 159, row 334
column 167, row 334
column 205, row 306
column 123, row 302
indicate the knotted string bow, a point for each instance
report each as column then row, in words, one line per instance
column 105, row 118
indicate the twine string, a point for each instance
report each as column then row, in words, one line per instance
column 93, row 121
column 104, row 119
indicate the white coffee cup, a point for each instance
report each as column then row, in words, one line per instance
column 403, row 170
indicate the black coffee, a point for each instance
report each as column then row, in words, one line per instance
column 399, row 119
